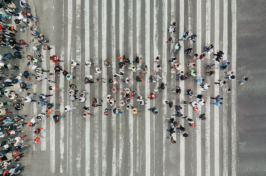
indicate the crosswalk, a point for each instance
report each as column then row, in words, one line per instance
column 127, row 144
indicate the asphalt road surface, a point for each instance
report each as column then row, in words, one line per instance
column 250, row 97
column 127, row 144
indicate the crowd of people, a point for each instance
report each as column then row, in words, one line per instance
column 12, row 124
column 211, row 69
column 12, row 82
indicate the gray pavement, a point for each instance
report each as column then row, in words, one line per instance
column 250, row 97
column 130, row 144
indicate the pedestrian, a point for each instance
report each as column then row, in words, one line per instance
column 40, row 71
column 178, row 114
column 39, row 130
column 37, row 139
column 41, row 103
column 41, row 116
column 170, row 39
column 220, row 82
column 230, row 77
column 153, row 110
column 227, row 90
column 184, row 36
column 88, row 80
column 53, row 88
column 70, row 77
column 74, row 64
column 202, row 116
column 217, row 98
column 200, row 80
column 58, row 117
column 217, row 103
column 163, row 86
column 106, row 63
column 46, row 47
column 32, row 123
column 192, row 37
column 55, row 59
column 204, row 87
column 243, row 80
column 188, row 51
column 58, row 69
column 189, row 93
column 177, row 90
column 69, row 108
column 195, row 58
column 117, row 111
column 177, row 47
column 211, row 73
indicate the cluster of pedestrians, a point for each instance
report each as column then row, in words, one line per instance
column 13, row 82
column 12, row 142
column 211, row 69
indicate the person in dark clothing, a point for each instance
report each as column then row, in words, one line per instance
column 58, row 69
column 24, row 85
column 26, row 74
column 202, row 116
column 178, row 90
column 6, row 84
column 153, row 110
column 188, row 51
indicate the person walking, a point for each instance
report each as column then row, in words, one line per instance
column 55, row 59
column 117, row 111
column 188, row 51
column 199, row 80
column 217, row 103
column 192, row 37
column 184, row 36
column 217, row 98
column 57, row 118
column 220, row 82
column 38, row 139
column 153, row 110
column 243, row 80
column 69, row 108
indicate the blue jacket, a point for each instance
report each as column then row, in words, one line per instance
column 218, row 98
column 42, row 103
column 218, row 103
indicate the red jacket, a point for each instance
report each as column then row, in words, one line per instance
column 37, row 130
column 54, row 58
column 37, row 139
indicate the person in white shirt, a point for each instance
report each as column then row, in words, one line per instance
column 28, row 99
column 21, row 17
column 98, row 69
column 220, row 82
column 89, row 63
column 41, row 116
column 204, row 87
column 127, row 80
column 201, row 102
column 74, row 64
column 69, row 108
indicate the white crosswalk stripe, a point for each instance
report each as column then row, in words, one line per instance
column 52, row 123
column 216, row 92
column 98, row 145
column 198, row 121
column 233, row 67
column 147, row 88
column 44, row 91
column 113, row 65
column 182, row 86
column 225, row 97
column 87, row 88
column 207, row 108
